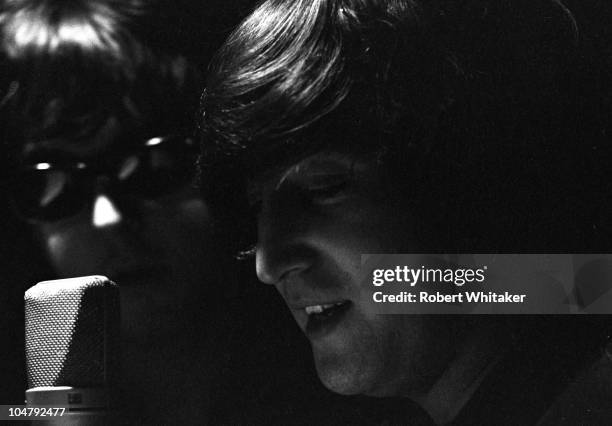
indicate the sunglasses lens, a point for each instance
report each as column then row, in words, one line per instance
column 47, row 195
column 164, row 166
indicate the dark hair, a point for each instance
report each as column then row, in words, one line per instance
column 72, row 65
column 454, row 98
column 289, row 64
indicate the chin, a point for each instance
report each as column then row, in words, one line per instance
column 352, row 373
column 376, row 357
column 343, row 384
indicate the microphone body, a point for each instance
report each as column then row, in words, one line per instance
column 72, row 347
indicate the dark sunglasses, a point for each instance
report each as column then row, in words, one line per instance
column 45, row 192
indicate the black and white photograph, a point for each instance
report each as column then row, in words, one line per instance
column 306, row 212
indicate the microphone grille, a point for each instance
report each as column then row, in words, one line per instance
column 71, row 332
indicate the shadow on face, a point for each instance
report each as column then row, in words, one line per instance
column 316, row 218
column 126, row 210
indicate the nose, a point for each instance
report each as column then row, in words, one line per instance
column 285, row 248
column 263, row 267
column 105, row 212
column 276, row 262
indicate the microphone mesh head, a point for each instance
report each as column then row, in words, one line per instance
column 71, row 332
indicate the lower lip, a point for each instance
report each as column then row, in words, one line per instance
column 319, row 326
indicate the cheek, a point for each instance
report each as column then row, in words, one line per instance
column 182, row 234
column 194, row 211
column 369, row 226
column 176, row 218
column 185, row 226
column 55, row 243
column 344, row 242
column 70, row 251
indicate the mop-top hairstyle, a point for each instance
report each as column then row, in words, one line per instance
column 291, row 63
column 74, row 64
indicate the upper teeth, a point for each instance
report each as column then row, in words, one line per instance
column 317, row 309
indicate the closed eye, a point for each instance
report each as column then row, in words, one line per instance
column 328, row 189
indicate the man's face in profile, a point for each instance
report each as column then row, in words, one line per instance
column 316, row 218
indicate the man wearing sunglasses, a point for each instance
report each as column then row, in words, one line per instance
column 99, row 112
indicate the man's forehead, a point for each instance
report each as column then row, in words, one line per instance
column 104, row 139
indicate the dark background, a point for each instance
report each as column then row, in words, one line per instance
column 261, row 350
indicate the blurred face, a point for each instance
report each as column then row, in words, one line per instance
column 316, row 218
column 131, row 214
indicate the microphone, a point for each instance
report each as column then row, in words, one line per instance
column 72, row 347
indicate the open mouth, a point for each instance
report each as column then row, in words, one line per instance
column 323, row 318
